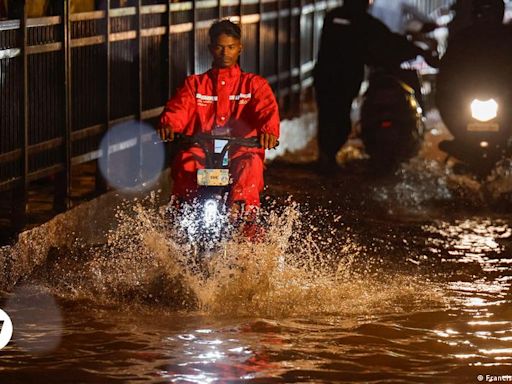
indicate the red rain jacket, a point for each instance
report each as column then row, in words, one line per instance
column 223, row 97
column 226, row 96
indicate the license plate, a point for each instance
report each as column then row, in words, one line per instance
column 483, row 127
column 213, row 177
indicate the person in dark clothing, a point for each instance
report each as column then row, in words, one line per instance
column 350, row 39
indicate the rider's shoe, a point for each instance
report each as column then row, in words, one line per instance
column 235, row 212
column 253, row 232
column 245, row 219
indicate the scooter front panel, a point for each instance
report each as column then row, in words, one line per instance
column 213, row 177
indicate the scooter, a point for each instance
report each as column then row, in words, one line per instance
column 392, row 123
column 205, row 222
column 473, row 89
column 392, row 120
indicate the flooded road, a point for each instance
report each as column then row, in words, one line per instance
column 361, row 278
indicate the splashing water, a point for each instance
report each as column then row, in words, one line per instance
column 419, row 181
column 422, row 183
column 499, row 183
column 297, row 268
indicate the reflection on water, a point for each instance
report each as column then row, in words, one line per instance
column 481, row 298
column 309, row 304
column 480, row 242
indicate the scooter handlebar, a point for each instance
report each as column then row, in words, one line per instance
column 203, row 138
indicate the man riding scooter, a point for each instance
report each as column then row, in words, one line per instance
column 227, row 101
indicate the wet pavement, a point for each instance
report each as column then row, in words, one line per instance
column 362, row 277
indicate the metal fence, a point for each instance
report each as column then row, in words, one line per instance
column 67, row 78
column 432, row 7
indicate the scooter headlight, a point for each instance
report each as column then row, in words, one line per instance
column 484, row 110
column 210, row 211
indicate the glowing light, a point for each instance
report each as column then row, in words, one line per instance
column 466, row 356
column 476, row 302
column 496, row 351
column 210, row 211
column 488, row 322
column 210, row 356
column 442, row 334
column 484, row 144
column 201, row 378
column 187, row 337
column 484, row 110
column 483, row 334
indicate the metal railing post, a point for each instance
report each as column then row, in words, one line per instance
column 277, row 47
column 101, row 183
column 61, row 201
column 138, row 52
column 299, row 109
column 260, row 39
column 294, row 57
column 19, row 210
column 193, row 39
column 290, row 101
column 168, row 48
column 138, row 41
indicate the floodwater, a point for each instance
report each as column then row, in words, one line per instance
column 396, row 279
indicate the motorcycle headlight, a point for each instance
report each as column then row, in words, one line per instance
column 484, row 110
column 210, row 211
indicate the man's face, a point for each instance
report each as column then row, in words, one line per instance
column 225, row 51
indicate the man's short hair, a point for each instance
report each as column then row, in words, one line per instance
column 226, row 27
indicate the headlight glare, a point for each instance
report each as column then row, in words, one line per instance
column 210, row 211
column 484, row 110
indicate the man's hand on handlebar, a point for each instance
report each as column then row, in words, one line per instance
column 268, row 141
column 165, row 132
column 429, row 27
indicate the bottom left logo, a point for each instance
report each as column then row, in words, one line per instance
column 5, row 329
